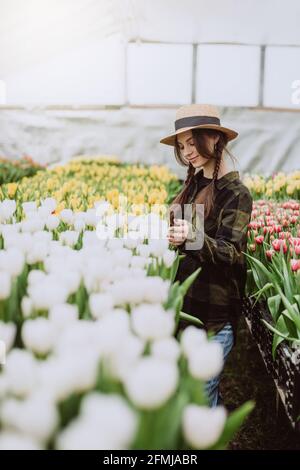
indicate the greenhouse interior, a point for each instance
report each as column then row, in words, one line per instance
column 150, row 226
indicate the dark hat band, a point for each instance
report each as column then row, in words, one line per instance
column 196, row 121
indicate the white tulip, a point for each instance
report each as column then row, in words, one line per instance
column 138, row 262
column 101, row 207
column 35, row 276
column 152, row 322
column 38, row 253
column 34, row 224
column 9, row 231
column 115, row 221
column 7, row 208
column 48, row 293
column 143, row 250
column 206, row 361
column 151, row 382
column 5, row 285
column 22, row 241
column 52, row 222
column 100, row 304
column 14, row 441
column 63, row 315
column 90, row 241
column 69, row 237
column 42, row 236
column 12, row 261
column 114, row 244
column 73, row 373
column 36, row 416
column 76, row 337
column 38, row 335
column 44, row 212
column 79, row 225
column 68, row 275
column 202, row 426
column 29, row 206
column 112, row 413
column 112, row 328
column 132, row 240
column 121, row 360
column 121, row 257
column 128, row 291
column 156, row 289
column 21, row 372
column 158, row 247
column 7, row 334
column 191, row 338
column 66, row 215
column 50, row 202
column 91, row 217
column 166, row 348
column 82, row 434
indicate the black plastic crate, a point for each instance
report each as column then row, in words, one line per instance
column 284, row 371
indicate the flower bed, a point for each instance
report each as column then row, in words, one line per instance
column 82, row 182
column 88, row 311
column 279, row 186
column 285, row 368
column 12, row 171
column 273, row 254
column 274, row 262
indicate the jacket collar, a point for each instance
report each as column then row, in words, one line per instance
column 221, row 182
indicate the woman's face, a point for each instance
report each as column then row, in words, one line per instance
column 188, row 149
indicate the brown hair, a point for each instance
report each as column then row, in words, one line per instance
column 207, row 195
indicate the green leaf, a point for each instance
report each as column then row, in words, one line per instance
column 280, row 326
column 277, row 332
column 184, row 287
column 262, row 270
column 297, row 298
column 190, row 318
column 259, row 293
column 274, row 304
column 174, row 269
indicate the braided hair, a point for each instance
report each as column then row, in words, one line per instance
column 207, row 195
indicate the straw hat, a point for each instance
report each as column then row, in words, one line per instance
column 195, row 116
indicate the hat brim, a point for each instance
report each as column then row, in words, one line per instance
column 170, row 139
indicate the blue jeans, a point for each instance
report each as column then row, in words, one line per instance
column 225, row 338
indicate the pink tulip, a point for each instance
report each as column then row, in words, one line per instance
column 259, row 239
column 295, row 264
column 269, row 254
column 277, row 245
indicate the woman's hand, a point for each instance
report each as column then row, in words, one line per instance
column 178, row 233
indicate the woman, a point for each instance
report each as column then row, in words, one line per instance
column 215, row 296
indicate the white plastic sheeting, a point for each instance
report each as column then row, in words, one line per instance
column 268, row 141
